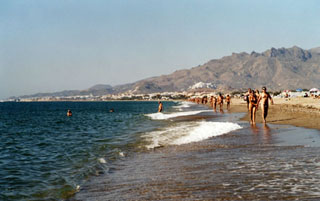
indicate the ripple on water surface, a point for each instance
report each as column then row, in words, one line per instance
column 46, row 155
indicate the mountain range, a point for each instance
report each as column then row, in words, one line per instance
column 277, row 69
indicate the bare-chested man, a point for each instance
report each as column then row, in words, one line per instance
column 228, row 100
column 211, row 101
column 220, row 101
column 253, row 106
column 264, row 98
column 214, row 103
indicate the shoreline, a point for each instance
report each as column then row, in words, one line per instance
column 260, row 163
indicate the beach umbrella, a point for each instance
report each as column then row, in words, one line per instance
column 314, row 89
column 299, row 90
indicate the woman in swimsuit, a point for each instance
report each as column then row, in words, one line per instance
column 253, row 106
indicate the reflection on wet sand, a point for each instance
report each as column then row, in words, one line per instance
column 254, row 128
column 246, row 164
column 266, row 133
column 261, row 131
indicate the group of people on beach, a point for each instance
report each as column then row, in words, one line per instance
column 253, row 98
column 213, row 101
column 219, row 101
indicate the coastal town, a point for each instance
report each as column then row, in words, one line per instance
column 184, row 95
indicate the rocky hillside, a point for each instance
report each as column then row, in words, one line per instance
column 277, row 69
column 283, row 68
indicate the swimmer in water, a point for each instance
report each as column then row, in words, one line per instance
column 160, row 107
column 69, row 113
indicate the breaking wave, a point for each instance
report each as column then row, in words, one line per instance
column 162, row 116
column 184, row 133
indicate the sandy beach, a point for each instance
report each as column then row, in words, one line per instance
column 302, row 112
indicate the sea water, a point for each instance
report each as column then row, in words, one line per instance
column 214, row 156
column 46, row 155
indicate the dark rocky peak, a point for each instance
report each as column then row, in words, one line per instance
column 273, row 52
column 300, row 53
column 255, row 54
column 277, row 52
column 289, row 53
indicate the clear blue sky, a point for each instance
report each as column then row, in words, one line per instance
column 51, row 45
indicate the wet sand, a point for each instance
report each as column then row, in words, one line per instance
column 253, row 163
column 261, row 162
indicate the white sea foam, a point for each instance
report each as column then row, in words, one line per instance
column 184, row 133
column 206, row 130
column 162, row 116
column 166, row 136
column 101, row 160
column 184, row 105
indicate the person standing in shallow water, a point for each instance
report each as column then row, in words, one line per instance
column 247, row 98
column 220, row 101
column 253, row 106
column 211, row 101
column 228, row 100
column 264, row 98
column 214, row 103
column 160, row 107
